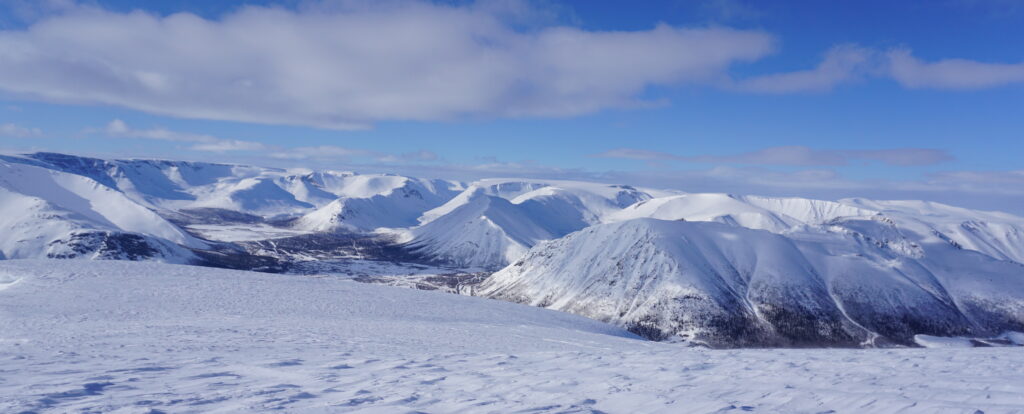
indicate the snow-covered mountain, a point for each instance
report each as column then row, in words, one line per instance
column 996, row 234
column 46, row 213
column 366, row 203
column 482, row 231
column 722, row 269
column 493, row 222
column 846, row 284
column 765, row 213
column 191, row 187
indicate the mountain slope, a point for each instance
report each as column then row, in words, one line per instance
column 493, row 222
column 995, row 234
column 730, row 286
column 764, row 213
column 367, row 203
column 268, row 192
column 44, row 213
column 483, row 231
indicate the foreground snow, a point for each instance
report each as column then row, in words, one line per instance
column 146, row 337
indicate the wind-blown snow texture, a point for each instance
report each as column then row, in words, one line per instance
column 719, row 269
column 146, row 337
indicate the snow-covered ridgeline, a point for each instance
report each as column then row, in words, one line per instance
column 773, row 271
column 47, row 213
column 539, row 210
column 851, row 283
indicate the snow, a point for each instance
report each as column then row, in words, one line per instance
column 143, row 337
column 44, row 212
column 996, row 234
column 859, row 269
column 773, row 214
column 493, row 222
column 483, row 231
column 371, row 202
column 242, row 232
column 929, row 341
column 88, row 199
column 695, row 280
column 268, row 192
column 1014, row 337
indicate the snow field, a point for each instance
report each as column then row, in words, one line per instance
column 125, row 337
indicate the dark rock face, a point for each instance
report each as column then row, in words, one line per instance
column 105, row 245
column 212, row 216
column 803, row 316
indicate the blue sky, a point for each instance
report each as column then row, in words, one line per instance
column 824, row 99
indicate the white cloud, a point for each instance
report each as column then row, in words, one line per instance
column 201, row 142
column 229, row 145
column 849, row 63
column 636, row 154
column 208, row 143
column 11, row 130
column 794, row 155
column 912, row 72
column 997, row 182
column 350, row 66
column 320, row 152
column 841, row 64
column 420, row 155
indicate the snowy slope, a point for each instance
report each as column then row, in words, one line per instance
column 590, row 200
column 996, row 234
column 493, row 222
column 764, row 213
column 44, row 213
column 268, row 192
column 483, row 231
column 730, row 286
column 367, row 203
column 139, row 337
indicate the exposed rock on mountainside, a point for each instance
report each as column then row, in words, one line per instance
column 728, row 286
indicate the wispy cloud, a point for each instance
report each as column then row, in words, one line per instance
column 841, row 64
column 794, row 156
column 209, row 143
column 912, row 72
column 320, row 152
column 637, row 154
column 850, row 63
column 338, row 153
column 11, row 130
column 420, row 156
column 201, row 142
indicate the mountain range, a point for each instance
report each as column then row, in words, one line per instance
column 712, row 269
